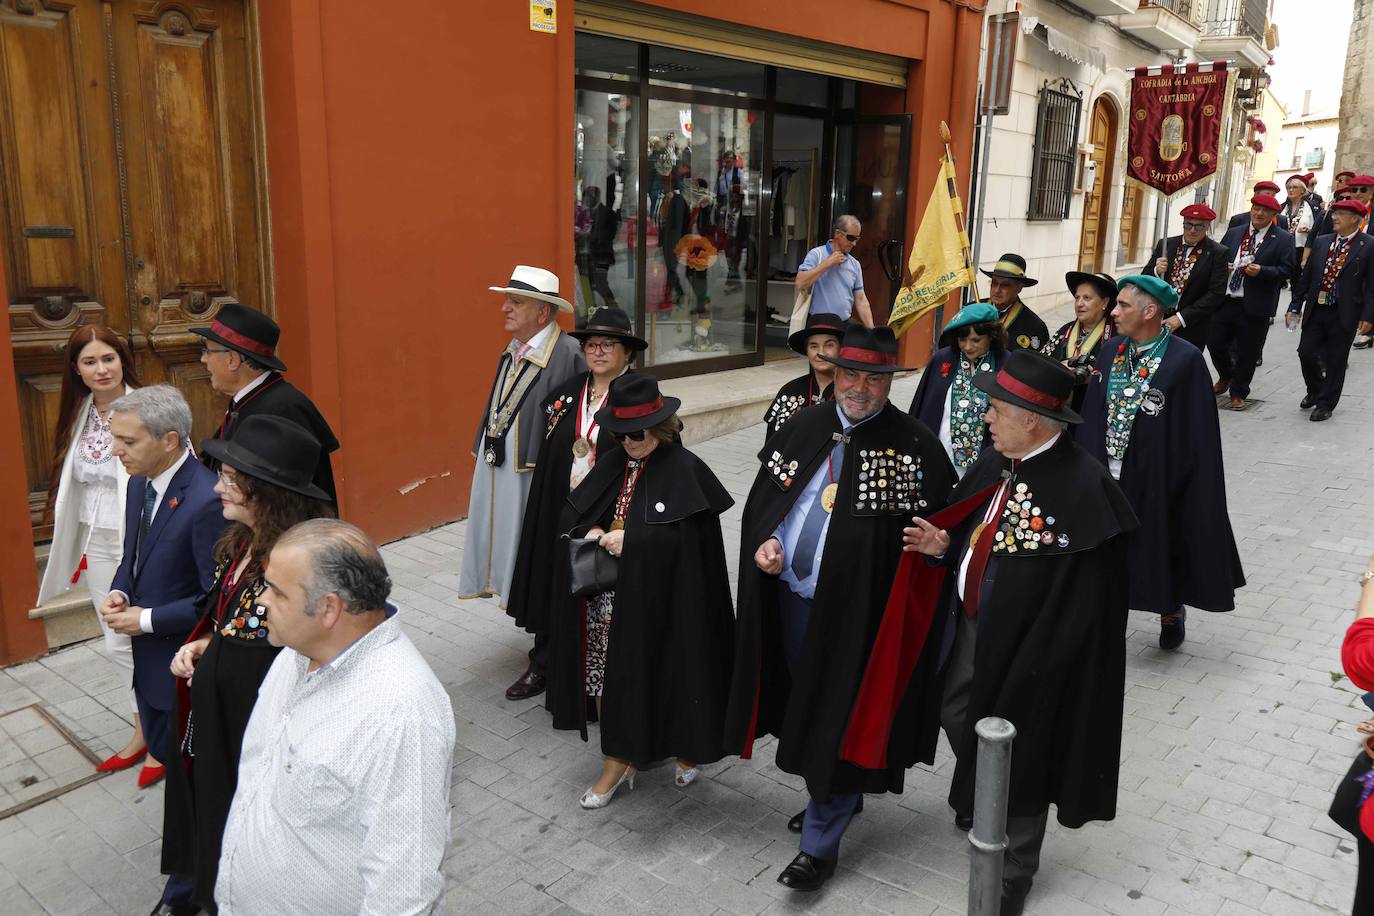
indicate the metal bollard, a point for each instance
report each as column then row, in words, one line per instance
column 988, row 838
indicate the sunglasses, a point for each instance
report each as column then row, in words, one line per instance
column 981, row 330
column 636, row 436
column 852, row 238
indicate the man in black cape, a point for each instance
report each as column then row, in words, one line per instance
column 1195, row 266
column 1025, row 329
column 821, row 537
column 1031, row 618
column 241, row 355
column 1151, row 417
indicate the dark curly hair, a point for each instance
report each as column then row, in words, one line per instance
column 275, row 509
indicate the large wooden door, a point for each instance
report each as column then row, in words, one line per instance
column 1096, row 203
column 131, row 189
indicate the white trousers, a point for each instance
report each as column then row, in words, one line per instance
column 103, row 553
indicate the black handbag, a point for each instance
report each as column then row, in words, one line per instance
column 591, row 569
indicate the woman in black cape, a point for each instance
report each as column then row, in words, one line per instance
column 1076, row 343
column 652, row 658
column 820, row 338
column 265, row 484
column 573, row 441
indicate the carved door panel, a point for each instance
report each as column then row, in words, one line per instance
column 130, row 190
column 1093, row 237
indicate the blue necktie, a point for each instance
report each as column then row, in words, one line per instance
column 804, row 555
column 149, row 500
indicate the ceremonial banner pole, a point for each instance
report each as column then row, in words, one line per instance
column 959, row 220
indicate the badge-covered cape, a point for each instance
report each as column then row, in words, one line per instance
column 803, row 391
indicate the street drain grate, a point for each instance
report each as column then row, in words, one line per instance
column 40, row 759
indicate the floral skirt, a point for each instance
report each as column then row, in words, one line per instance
column 598, row 633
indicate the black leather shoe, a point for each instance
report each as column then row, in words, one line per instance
column 527, row 685
column 170, row 909
column 1172, row 630
column 1014, row 893
column 798, row 819
column 1321, row 413
column 1308, row 402
column 963, row 821
column 806, row 873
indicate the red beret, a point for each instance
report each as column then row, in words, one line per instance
column 1267, row 200
column 1352, row 205
column 1308, row 177
column 1199, row 211
column 1340, row 175
column 1361, row 181
column 1266, row 186
column 1343, row 189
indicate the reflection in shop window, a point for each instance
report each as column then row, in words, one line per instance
column 606, row 188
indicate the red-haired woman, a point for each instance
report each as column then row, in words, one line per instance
column 86, row 494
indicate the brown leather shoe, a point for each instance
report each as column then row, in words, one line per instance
column 527, row 685
column 1221, row 386
column 1237, row 404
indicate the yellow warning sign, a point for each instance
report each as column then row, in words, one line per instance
column 544, row 16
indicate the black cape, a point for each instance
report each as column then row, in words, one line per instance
column 803, row 391
column 672, row 627
column 279, row 398
column 810, row 713
column 531, row 587
column 932, row 392
column 1058, row 349
column 1185, row 551
column 1050, row 655
column 1027, row 332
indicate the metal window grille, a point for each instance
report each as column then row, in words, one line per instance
column 1056, row 145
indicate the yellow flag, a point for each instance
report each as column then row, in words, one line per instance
column 937, row 263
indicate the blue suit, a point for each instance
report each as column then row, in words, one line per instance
column 175, row 569
column 1328, row 329
column 1239, row 325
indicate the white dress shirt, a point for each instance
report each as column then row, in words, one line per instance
column 244, row 391
column 994, row 511
column 342, row 802
column 1236, row 264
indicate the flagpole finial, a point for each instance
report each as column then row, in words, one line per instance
column 944, row 131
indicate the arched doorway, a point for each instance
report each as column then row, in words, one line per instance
column 1097, row 202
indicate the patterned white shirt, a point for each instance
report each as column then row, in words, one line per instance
column 342, row 802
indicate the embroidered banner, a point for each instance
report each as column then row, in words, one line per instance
column 1175, row 125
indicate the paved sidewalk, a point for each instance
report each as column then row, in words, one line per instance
column 1232, row 745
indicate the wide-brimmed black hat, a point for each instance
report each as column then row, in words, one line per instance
column 817, row 323
column 1013, row 267
column 1032, row 380
column 1104, row 283
column 609, row 321
column 272, row 449
column 867, row 350
column 246, row 331
column 634, row 403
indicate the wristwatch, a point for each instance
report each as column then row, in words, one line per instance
column 1365, row 577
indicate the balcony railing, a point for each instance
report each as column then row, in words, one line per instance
column 1238, row 18
column 1183, row 8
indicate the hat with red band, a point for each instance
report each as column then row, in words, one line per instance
column 1354, row 206
column 1262, row 186
column 1267, row 200
column 1034, row 381
column 1199, row 211
column 867, row 350
column 634, row 403
column 817, row 323
column 246, row 331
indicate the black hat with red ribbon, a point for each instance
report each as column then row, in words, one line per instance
column 1034, row 381
column 634, row 403
column 246, row 331
column 867, row 350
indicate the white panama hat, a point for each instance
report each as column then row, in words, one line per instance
column 534, row 283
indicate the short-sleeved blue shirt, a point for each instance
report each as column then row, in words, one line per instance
column 834, row 292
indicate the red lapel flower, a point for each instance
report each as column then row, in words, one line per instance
column 944, row 369
column 173, row 502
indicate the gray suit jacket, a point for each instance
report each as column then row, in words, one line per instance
column 559, row 358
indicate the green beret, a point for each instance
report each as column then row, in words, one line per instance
column 973, row 313
column 1158, row 289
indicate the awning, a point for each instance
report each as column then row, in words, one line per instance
column 1066, row 47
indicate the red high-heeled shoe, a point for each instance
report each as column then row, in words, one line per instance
column 149, row 775
column 116, row 763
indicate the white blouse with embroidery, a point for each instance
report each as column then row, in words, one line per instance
column 95, row 470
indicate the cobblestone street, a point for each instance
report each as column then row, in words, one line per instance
column 1231, row 745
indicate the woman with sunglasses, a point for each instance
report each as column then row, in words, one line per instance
column 572, row 442
column 973, row 342
column 1076, row 343
column 818, row 339
column 650, row 659
column 266, row 486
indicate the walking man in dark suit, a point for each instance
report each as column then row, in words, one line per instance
column 1195, row 266
column 1261, row 187
column 171, row 525
column 1335, row 297
column 1262, row 262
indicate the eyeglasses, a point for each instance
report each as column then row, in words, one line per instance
column 1194, row 226
column 636, row 436
column 983, row 329
column 229, row 480
column 599, row 346
column 852, row 238
column 206, row 351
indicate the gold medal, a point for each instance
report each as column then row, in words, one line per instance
column 828, row 497
column 581, row 447
column 617, row 524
